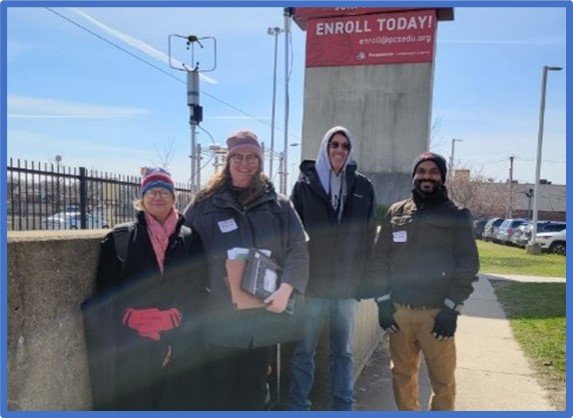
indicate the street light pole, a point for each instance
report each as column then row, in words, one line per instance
column 451, row 168
column 533, row 247
column 287, row 16
column 274, row 32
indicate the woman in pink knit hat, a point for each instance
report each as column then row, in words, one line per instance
column 149, row 280
column 239, row 208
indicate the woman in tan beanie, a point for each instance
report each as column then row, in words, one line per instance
column 240, row 208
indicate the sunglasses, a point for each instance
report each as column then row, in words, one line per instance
column 335, row 145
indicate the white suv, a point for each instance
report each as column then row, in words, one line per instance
column 552, row 241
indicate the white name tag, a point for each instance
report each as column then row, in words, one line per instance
column 400, row 236
column 227, row 226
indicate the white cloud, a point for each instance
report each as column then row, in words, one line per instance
column 22, row 107
column 140, row 45
column 15, row 49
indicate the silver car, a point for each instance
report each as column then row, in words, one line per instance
column 72, row 220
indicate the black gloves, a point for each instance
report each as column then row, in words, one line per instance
column 386, row 316
column 446, row 323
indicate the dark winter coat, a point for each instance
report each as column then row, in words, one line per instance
column 426, row 252
column 135, row 371
column 269, row 222
column 339, row 252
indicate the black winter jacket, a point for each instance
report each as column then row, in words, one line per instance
column 339, row 252
column 426, row 252
column 138, row 283
column 271, row 223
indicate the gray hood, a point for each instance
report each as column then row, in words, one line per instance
column 323, row 167
column 334, row 185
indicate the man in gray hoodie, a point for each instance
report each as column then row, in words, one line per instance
column 337, row 207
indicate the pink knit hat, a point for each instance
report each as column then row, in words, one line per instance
column 245, row 141
column 156, row 177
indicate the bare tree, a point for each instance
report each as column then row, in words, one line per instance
column 434, row 130
column 165, row 156
column 480, row 195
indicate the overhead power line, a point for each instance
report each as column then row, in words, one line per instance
column 131, row 54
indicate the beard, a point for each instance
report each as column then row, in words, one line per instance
column 427, row 186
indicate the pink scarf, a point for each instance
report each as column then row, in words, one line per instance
column 159, row 234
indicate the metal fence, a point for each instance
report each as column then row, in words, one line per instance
column 52, row 196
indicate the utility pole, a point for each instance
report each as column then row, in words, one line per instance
column 510, row 208
column 287, row 16
column 195, row 109
column 199, row 158
column 451, row 168
column 274, row 32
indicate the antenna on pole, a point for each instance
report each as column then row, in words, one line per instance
column 195, row 109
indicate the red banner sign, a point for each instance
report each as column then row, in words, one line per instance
column 387, row 38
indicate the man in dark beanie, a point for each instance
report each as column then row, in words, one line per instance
column 425, row 262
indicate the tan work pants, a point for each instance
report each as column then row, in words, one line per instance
column 414, row 335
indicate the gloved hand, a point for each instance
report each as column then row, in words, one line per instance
column 386, row 316
column 149, row 323
column 446, row 324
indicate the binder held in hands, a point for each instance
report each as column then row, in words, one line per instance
column 261, row 277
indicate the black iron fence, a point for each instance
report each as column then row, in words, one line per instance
column 52, row 196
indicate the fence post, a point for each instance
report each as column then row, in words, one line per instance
column 83, row 198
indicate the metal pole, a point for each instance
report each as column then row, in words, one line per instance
column 533, row 247
column 538, row 160
column 545, row 69
column 451, row 168
column 198, row 165
column 274, row 31
column 195, row 117
column 287, row 15
column 193, row 156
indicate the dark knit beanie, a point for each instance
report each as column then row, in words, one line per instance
column 436, row 158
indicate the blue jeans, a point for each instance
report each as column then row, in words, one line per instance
column 341, row 313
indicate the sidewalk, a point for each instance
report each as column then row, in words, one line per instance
column 492, row 374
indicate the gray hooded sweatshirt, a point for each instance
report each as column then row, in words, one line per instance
column 333, row 184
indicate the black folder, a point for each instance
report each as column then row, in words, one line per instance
column 261, row 277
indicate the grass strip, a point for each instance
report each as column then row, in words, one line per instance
column 497, row 258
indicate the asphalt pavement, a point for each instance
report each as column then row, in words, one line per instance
column 492, row 374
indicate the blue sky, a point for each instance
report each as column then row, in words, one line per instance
column 74, row 95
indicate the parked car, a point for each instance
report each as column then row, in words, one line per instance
column 554, row 242
column 490, row 229
column 479, row 226
column 72, row 220
column 506, row 230
column 523, row 234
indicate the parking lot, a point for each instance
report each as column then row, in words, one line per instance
column 517, row 232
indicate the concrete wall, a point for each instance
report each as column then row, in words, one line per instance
column 387, row 109
column 49, row 274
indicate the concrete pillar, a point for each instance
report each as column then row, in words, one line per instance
column 386, row 107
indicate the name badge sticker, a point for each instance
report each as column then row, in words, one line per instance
column 400, row 236
column 227, row 225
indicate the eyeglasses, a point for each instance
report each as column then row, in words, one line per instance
column 239, row 158
column 163, row 193
column 334, row 145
